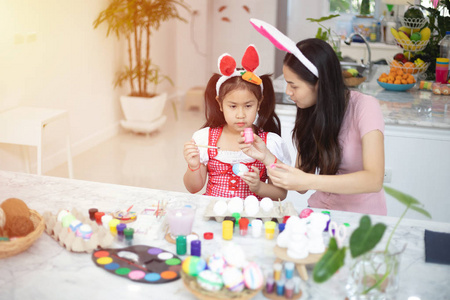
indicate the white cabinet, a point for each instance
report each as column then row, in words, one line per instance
column 358, row 51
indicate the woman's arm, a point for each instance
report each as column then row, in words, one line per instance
column 368, row 180
column 263, row 189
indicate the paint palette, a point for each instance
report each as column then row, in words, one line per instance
column 140, row 263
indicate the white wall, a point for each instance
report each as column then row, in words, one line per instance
column 68, row 65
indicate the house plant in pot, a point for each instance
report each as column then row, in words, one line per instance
column 374, row 274
column 135, row 20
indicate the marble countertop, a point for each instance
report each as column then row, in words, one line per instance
column 415, row 107
column 48, row 271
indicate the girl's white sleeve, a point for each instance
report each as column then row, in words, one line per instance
column 201, row 137
column 279, row 148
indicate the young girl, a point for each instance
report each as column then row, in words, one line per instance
column 338, row 133
column 234, row 100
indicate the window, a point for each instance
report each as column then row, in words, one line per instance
column 352, row 7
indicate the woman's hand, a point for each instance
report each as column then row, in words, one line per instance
column 191, row 154
column 257, row 149
column 287, row 177
column 252, row 179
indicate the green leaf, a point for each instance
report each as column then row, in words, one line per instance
column 319, row 33
column 421, row 210
column 402, row 197
column 366, row 236
column 408, row 200
column 323, row 18
column 330, row 262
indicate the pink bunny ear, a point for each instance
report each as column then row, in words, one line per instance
column 282, row 42
column 227, row 64
column 250, row 60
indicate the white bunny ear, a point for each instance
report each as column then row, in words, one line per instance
column 227, row 64
column 283, row 43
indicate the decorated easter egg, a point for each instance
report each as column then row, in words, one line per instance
column 305, row 213
column 216, row 263
column 84, row 231
column 234, row 255
column 62, row 214
column 266, row 204
column 235, row 204
column 233, row 279
column 209, row 280
column 220, row 207
column 74, row 225
column 253, row 276
column 193, row 265
column 239, row 169
column 67, row 219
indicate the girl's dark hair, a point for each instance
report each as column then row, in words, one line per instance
column 317, row 128
column 267, row 118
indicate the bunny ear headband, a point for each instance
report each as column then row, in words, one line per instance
column 227, row 67
column 283, row 43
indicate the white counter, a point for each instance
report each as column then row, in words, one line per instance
column 48, row 271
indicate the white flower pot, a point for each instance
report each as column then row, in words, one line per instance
column 143, row 114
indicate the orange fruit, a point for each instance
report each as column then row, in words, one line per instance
column 409, row 67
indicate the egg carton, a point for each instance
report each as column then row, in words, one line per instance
column 101, row 237
column 279, row 210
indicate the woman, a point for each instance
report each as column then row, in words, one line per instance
column 339, row 133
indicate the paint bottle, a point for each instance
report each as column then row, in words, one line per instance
column 237, row 217
column 277, row 271
column 270, row 284
column 296, row 280
column 227, row 229
column 196, row 248
column 243, row 226
column 248, row 135
column 232, row 219
column 98, row 217
column 269, row 229
column 280, row 286
column 289, row 289
column 281, row 227
column 181, row 245
column 105, row 220
column 120, row 234
column 289, row 269
column 92, row 212
column 129, row 233
column 113, row 226
column 189, row 239
column 256, row 228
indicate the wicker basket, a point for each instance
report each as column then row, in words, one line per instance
column 18, row 245
column 354, row 81
column 191, row 284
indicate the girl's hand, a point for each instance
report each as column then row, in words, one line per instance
column 287, row 177
column 252, row 179
column 191, row 154
column 257, row 149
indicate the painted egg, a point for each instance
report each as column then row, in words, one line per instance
column 233, row 279
column 216, row 263
column 67, row 219
column 240, row 169
column 74, row 225
column 62, row 214
column 220, row 208
column 235, row 204
column 193, row 265
column 209, row 280
column 305, row 213
column 253, row 276
column 234, row 255
column 84, row 231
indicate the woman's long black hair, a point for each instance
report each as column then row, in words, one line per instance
column 267, row 118
column 316, row 131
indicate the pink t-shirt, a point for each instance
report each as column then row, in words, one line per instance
column 362, row 116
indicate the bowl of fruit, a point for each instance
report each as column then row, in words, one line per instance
column 396, row 80
column 411, row 63
column 352, row 78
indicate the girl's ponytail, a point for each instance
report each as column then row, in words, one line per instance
column 214, row 117
column 267, row 118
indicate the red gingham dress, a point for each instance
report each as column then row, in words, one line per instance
column 222, row 182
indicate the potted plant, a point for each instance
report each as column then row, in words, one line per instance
column 327, row 35
column 135, row 20
column 372, row 273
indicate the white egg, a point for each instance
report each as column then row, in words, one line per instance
column 251, row 209
column 220, row 208
column 266, row 204
column 235, row 204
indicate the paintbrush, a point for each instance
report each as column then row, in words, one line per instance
column 207, row 146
